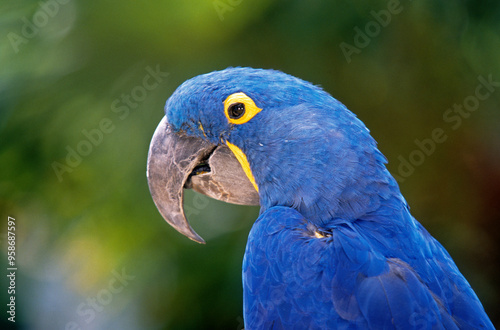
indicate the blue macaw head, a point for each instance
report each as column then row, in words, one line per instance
column 253, row 136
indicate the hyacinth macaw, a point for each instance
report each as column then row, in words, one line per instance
column 335, row 245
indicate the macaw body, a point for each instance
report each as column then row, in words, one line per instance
column 335, row 245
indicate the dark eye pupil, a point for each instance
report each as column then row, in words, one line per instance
column 236, row 110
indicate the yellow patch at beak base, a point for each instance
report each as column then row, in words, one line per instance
column 242, row 158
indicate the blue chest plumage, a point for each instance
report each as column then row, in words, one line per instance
column 379, row 272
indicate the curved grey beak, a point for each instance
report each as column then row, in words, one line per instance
column 177, row 161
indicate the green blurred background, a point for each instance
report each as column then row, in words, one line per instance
column 75, row 77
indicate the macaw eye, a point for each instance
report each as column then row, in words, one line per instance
column 236, row 110
column 240, row 108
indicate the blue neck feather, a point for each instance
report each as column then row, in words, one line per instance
column 320, row 160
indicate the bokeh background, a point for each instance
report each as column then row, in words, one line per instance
column 82, row 88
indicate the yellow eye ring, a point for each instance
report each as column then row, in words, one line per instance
column 239, row 108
